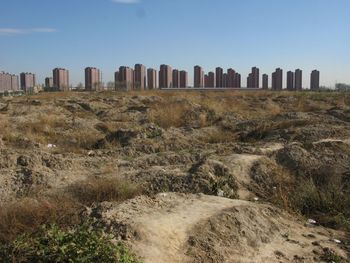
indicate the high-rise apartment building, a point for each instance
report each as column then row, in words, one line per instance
column 8, row 82
column 250, row 81
column 211, row 80
column 206, row 80
column 176, row 78
column 116, row 80
column 265, row 81
column 219, row 72
column 224, row 80
column 253, row 79
column 93, row 79
column 231, row 75
column 290, row 80
column 151, row 78
column 183, row 79
column 315, row 80
column 198, row 77
column 5, row 82
column 14, row 82
column 61, row 79
column 140, row 77
column 28, row 81
column 298, row 80
column 238, row 80
column 125, row 78
column 165, row 77
column 48, row 82
column 277, row 79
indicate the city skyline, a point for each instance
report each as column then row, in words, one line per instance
column 141, row 78
column 221, row 78
column 265, row 37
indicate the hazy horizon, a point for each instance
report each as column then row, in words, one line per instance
column 39, row 35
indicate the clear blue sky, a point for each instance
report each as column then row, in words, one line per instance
column 38, row 35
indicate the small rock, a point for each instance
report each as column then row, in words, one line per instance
column 311, row 221
column 23, row 160
column 36, row 102
column 279, row 254
column 299, row 258
column 336, row 241
column 220, row 193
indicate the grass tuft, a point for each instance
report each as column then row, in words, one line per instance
column 96, row 190
column 26, row 215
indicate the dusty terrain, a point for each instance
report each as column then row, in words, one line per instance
column 226, row 177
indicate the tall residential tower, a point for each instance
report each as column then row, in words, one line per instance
column 315, row 80
column 165, row 77
column 61, row 79
column 93, row 79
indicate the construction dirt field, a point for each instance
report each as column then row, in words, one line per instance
column 182, row 176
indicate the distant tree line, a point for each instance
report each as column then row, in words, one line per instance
column 342, row 87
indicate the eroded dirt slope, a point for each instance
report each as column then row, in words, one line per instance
column 199, row 228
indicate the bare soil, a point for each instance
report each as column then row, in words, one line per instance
column 227, row 176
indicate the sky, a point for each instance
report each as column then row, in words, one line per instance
column 39, row 35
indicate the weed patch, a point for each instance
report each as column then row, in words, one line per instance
column 53, row 244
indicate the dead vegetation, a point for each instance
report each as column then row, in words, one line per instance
column 97, row 190
column 168, row 115
column 77, row 127
column 28, row 214
column 323, row 196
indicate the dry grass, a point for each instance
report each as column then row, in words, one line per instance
column 170, row 114
column 273, row 183
column 284, row 182
column 96, row 190
column 247, row 104
column 49, row 96
column 57, row 125
column 262, row 103
column 41, row 129
column 26, row 215
column 266, row 128
column 53, row 129
column 4, row 126
column 219, row 136
column 322, row 198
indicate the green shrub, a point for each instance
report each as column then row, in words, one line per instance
column 52, row 244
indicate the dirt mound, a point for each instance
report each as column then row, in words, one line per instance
column 206, row 176
column 198, row 228
column 316, row 159
column 297, row 159
column 259, row 233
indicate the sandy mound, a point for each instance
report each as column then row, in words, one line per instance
column 198, row 228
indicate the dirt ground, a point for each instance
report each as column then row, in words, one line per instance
column 175, row 227
column 227, row 176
